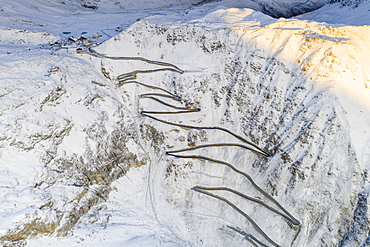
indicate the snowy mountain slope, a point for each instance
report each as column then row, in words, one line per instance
column 288, row 9
column 50, row 128
column 304, row 105
column 89, row 16
column 82, row 167
column 341, row 12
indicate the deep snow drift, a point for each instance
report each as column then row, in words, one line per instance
column 81, row 166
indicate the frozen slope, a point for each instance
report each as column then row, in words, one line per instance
column 82, row 167
column 63, row 140
column 295, row 88
column 342, row 12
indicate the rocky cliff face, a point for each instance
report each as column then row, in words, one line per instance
column 278, row 84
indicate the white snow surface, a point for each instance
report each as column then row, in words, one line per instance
column 336, row 13
column 81, row 167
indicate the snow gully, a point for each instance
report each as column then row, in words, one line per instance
column 130, row 77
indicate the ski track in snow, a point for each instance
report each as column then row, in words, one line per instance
column 81, row 166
